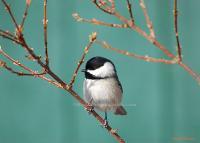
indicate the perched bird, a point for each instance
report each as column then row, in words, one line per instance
column 102, row 88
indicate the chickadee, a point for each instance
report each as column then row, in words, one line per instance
column 102, row 88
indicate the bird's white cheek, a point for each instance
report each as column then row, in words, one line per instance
column 104, row 71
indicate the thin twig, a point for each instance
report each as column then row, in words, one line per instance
column 148, row 21
column 25, row 15
column 40, row 75
column 97, row 22
column 12, row 16
column 16, row 72
column 92, row 39
column 112, row 4
column 31, row 72
column 16, row 62
column 45, row 21
column 4, row 65
column 130, row 11
column 176, row 30
column 133, row 55
column 106, row 10
column 195, row 75
column 8, row 36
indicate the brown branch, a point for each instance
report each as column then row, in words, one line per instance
column 4, row 65
column 31, row 72
column 148, row 21
column 176, row 30
column 17, row 72
column 130, row 11
column 45, row 21
column 154, row 41
column 97, row 22
column 106, row 10
column 16, row 62
column 28, row 2
column 9, row 36
column 40, row 75
column 195, row 75
column 8, row 33
column 112, row 4
column 133, row 55
column 92, row 39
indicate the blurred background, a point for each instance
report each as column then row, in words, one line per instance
column 162, row 100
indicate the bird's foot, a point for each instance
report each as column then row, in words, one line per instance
column 105, row 124
column 89, row 108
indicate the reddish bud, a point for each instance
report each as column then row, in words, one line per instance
column 28, row 2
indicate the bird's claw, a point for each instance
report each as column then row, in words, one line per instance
column 105, row 124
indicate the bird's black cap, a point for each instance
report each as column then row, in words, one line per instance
column 96, row 62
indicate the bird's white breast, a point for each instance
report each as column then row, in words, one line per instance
column 104, row 94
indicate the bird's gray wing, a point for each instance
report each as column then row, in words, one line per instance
column 119, row 83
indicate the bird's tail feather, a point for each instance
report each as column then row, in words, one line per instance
column 120, row 111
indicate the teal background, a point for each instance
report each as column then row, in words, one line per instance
column 163, row 100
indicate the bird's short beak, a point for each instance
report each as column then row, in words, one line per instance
column 83, row 70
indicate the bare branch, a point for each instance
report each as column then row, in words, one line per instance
column 31, row 72
column 28, row 2
column 45, row 21
column 98, row 22
column 195, row 75
column 112, row 4
column 102, row 6
column 151, row 38
column 16, row 62
column 130, row 10
column 176, row 30
column 16, row 72
column 133, row 55
column 148, row 21
column 8, row 35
